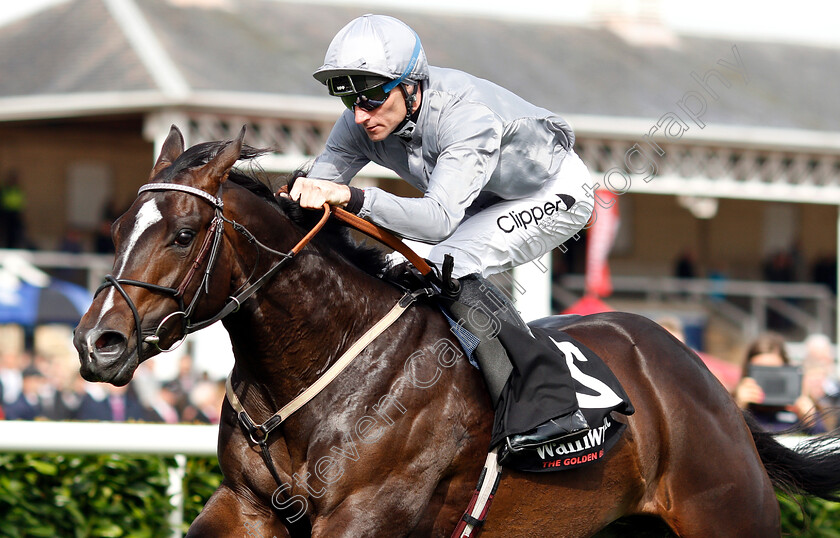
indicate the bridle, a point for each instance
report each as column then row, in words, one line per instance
column 208, row 253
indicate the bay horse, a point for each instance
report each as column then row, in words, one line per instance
column 394, row 445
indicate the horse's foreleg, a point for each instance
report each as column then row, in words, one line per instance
column 230, row 514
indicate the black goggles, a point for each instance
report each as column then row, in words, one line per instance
column 366, row 91
column 368, row 100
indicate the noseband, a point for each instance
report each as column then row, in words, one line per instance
column 208, row 253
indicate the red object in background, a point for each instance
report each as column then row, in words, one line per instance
column 598, row 284
column 600, row 240
column 727, row 373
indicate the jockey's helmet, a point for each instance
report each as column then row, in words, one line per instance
column 372, row 51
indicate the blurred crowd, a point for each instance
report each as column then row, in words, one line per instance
column 802, row 392
column 40, row 387
column 815, row 402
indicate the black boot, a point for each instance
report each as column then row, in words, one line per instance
column 554, row 430
column 481, row 308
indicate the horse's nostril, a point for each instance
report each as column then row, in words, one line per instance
column 109, row 341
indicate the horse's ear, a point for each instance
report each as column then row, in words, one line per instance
column 172, row 148
column 220, row 165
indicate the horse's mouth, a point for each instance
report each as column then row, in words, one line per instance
column 117, row 373
column 109, row 356
column 107, row 360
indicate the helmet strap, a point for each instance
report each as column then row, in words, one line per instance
column 406, row 127
column 410, row 99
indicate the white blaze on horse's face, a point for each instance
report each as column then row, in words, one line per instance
column 148, row 215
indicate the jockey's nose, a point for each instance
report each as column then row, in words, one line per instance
column 361, row 115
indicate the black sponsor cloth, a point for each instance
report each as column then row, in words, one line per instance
column 542, row 386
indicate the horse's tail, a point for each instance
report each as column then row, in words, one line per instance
column 813, row 468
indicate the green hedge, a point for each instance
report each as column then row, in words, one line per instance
column 809, row 517
column 96, row 495
column 202, row 478
column 125, row 496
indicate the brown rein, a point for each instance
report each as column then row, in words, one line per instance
column 371, row 230
column 383, row 236
column 313, row 232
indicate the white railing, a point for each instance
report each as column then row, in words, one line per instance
column 108, row 438
column 179, row 440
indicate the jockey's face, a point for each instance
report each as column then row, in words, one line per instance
column 382, row 121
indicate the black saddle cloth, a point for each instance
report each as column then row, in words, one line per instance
column 555, row 374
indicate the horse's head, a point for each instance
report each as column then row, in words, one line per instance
column 167, row 247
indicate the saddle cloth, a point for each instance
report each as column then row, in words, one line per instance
column 551, row 370
column 599, row 394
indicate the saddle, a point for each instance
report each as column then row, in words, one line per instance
column 537, row 388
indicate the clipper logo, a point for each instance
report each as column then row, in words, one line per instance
column 522, row 219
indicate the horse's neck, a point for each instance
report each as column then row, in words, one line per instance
column 288, row 334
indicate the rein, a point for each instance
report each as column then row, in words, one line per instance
column 372, row 230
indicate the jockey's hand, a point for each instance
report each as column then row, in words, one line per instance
column 313, row 193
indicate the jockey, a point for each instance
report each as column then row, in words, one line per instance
column 501, row 183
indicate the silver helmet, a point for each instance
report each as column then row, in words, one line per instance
column 373, row 50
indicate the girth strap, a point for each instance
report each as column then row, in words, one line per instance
column 482, row 498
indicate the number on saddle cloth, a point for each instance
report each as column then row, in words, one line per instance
column 537, row 391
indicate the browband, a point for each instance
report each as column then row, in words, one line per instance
column 217, row 202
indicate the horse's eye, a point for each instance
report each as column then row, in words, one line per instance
column 184, row 238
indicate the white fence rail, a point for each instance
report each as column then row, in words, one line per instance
column 108, row 438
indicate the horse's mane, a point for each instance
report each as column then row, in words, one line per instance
column 334, row 235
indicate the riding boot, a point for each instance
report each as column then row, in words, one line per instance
column 482, row 309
